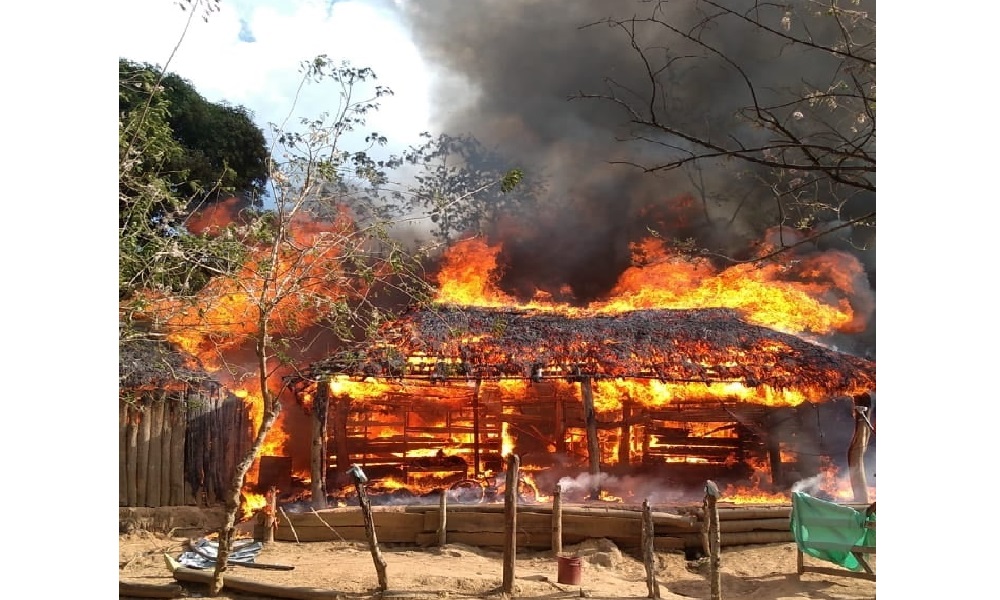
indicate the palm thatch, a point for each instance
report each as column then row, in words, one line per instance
column 698, row 345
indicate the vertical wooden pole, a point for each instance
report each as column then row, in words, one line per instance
column 856, row 451
column 510, row 522
column 560, row 426
column 366, row 511
column 593, row 444
column 774, row 457
column 443, row 523
column 714, row 539
column 166, row 457
column 270, row 515
column 178, row 433
column 341, row 410
column 557, row 521
column 122, row 452
column 142, row 457
column 625, row 439
column 648, row 553
column 475, row 427
column 318, row 462
column 132, row 458
column 155, row 445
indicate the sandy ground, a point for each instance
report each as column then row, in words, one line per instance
column 764, row 572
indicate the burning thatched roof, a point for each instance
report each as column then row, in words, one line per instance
column 152, row 364
column 709, row 345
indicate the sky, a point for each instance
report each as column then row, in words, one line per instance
column 938, row 326
column 248, row 53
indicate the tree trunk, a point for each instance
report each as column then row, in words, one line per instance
column 232, row 493
column 714, row 539
column 318, row 465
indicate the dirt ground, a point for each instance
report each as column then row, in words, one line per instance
column 763, row 572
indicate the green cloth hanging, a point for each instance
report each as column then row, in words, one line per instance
column 828, row 531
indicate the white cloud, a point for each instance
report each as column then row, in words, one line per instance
column 263, row 75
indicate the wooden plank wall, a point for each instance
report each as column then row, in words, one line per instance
column 179, row 447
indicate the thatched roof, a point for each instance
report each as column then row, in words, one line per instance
column 154, row 364
column 672, row 345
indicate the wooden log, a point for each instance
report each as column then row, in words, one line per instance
column 714, row 540
column 150, row 590
column 131, row 458
column 648, row 552
column 318, row 461
column 471, row 522
column 178, row 427
column 593, row 444
column 557, row 521
column 155, row 447
column 385, row 535
column 142, row 454
column 510, row 520
column 122, row 452
column 666, row 543
column 856, row 451
column 256, row 588
column 491, row 540
column 366, row 510
column 443, row 523
column 166, row 456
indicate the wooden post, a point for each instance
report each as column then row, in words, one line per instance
column 510, row 522
column 178, row 434
column 443, row 523
column 366, row 510
column 859, row 444
column 648, row 554
column 166, row 457
column 155, row 445
column 560, row 427
column 714, row 538
column 475, row 427
column 625, row 440
column 270, row 515
column 341, row 410
column 142, row 455
column 317, row 463
column 122, row 452
column 557, row 521
column 774, row 456
column 593, row 445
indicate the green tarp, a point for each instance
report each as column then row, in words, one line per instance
column 828, row 531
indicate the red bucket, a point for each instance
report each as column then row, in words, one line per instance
column 569, row 570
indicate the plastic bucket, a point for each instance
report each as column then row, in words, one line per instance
column 569, row 570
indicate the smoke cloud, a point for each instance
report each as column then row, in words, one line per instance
column 510, row 73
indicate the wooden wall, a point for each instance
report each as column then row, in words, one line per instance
column 179, row 447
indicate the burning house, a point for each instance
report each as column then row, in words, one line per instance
column 618, row 397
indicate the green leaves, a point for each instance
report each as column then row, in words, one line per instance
column 510, row 180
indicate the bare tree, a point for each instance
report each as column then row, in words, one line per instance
column 796, row 83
